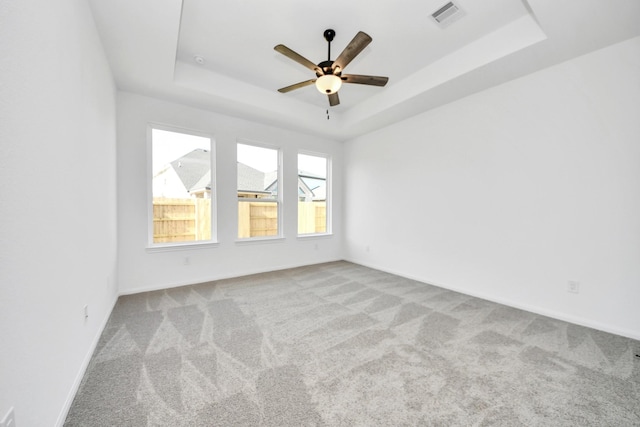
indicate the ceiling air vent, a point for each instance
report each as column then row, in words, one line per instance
column 447, row 14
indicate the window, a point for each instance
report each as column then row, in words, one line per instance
column 313, row 194
column 258, row 196
column 181, row 188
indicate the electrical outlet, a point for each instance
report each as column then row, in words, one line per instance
column 573, row 287
column 9, row 420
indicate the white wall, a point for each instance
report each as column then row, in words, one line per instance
column 57, row 203
column 510, row 193
column 140, row 269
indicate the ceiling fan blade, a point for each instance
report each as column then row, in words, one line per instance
column 334, row 99
column 298, row 58
column 296, row 86
column 359, row 42
column 365, row 80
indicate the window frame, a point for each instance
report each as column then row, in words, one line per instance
column 279, row 199
column 328, row 191
column 168, row 246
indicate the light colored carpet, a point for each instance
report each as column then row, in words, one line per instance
column 339, row 344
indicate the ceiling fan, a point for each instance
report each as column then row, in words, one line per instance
column 329, row 73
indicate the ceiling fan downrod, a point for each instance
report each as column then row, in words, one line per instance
column 328, row 36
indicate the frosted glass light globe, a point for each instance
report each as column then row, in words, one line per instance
column 328, row 84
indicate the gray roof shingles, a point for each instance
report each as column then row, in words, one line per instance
column 194, row 171
column 192, row 167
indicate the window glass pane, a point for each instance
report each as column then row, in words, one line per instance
column 181, row 187
column 258, row 204
column 312, row 194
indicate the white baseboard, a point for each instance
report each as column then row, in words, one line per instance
column 530, row 308
column 83, row 368
column 171, row 285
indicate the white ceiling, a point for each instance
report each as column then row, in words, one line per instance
column 151, row 46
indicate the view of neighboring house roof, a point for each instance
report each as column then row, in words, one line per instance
column 312, row 185
column 203, row 184
column 269, row 179
column 192, row 168
column 250, row 180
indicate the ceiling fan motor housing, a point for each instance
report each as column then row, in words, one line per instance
column 327, row 68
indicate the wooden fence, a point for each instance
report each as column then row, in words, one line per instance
column 180, row 220
column 312, row 217
column 261, row 218
column 257, row 219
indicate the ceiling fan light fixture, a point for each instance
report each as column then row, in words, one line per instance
column 328, row 84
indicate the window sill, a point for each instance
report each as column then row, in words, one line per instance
column 255, row 240
column 181, row 246
column 315, row 236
